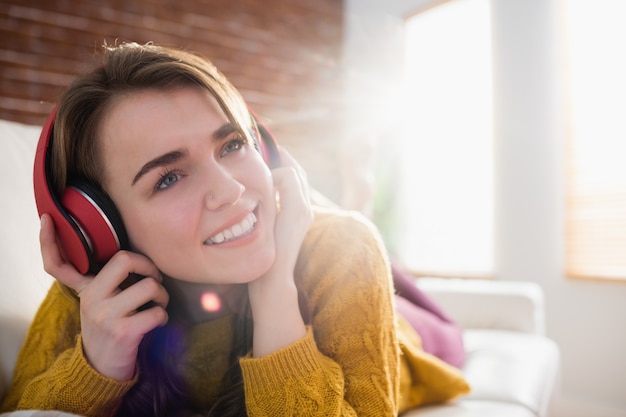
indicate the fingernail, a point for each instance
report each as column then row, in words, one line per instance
column 42, row 221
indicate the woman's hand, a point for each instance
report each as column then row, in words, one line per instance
column 273, row 297
column 111, row 325
column 294, row 215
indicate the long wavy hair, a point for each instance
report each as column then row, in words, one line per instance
column 119, row 71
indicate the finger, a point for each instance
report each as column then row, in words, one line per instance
column 112, row 276
column 286, row 158
column 140, row 293
column 53, row 261
column 290, row 161
column 147, row 320
column 288, row 185
column 293, row 182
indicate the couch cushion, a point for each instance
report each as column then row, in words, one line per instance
column 472, row 303
column 24, row 283
column 21, row 271
column 511, row 367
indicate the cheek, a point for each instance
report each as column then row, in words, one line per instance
column 147, row 227
column 138, row 229
column 261, row 177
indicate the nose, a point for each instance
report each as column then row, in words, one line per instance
column 222, row 189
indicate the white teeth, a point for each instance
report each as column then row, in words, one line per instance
column 234, row 231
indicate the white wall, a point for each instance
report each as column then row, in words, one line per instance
column 587, row 319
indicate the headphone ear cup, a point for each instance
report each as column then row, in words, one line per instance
column 71, row 241
column 267, row 143
column 269, row 147
column 88, row 226
column 97, row 219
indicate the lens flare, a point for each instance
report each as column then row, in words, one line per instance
column 211, row 302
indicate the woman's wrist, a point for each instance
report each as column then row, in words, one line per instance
column 276, row 316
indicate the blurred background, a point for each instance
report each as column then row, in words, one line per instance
column 282, row 55
column 485, row 138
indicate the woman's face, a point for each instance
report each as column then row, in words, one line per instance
column 195, row 196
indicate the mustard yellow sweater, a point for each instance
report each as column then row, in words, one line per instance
column 357, row 358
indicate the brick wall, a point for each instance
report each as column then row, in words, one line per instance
column 283, row 55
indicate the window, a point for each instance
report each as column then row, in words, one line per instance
column 447, row 141
column 596, row 205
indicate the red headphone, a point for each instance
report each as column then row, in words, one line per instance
column 89, row 226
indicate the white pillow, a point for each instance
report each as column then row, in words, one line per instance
column 37, row 413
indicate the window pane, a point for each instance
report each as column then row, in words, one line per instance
column 596, row 216
column 447, row 148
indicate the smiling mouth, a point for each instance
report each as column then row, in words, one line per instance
column 235, row 231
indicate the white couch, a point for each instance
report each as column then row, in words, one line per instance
column 511, row 366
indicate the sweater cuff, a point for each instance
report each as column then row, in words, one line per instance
column 94, row 388
column 298, row 359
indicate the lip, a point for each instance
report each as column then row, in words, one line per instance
column 233, row 222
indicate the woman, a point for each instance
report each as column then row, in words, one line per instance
column 253, row 303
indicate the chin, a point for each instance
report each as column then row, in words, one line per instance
column 240, row 273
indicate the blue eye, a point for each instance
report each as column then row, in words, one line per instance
column 167, row 180
column 234, row 145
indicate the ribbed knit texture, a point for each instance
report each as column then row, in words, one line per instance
column 51, row 370
column 357, row 358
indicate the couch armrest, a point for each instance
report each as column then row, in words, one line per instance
column 489, row 304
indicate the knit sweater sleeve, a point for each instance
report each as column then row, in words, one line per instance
column 52, row 372
column 348, row 363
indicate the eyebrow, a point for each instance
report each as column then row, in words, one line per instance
column 174, row 156
column 224, row 131
column 160, row 161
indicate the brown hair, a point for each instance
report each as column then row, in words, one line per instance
column 122, row 70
